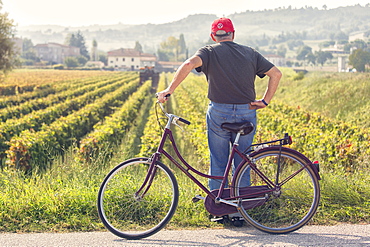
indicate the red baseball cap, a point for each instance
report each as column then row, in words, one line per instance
column 222, row 27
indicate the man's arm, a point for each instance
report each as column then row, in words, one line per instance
column 180, row 75
column 275, row 75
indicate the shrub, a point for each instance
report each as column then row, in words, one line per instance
column 58, row 66
column 299, row 76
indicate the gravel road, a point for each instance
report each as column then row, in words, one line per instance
column 339, row 235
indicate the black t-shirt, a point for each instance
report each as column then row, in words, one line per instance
column 231, row 69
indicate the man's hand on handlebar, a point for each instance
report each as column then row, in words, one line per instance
column 163, row 96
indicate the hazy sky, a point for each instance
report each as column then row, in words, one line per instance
column 90, row 12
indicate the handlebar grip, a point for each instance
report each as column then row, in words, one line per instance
column 184, row 121
column 167, row 95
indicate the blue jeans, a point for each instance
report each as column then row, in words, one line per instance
column 220, row 141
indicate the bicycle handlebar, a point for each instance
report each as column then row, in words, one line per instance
column 183, row 120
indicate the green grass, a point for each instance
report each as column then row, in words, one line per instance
column 344, row 198
column 60, row 199
column 64, row 199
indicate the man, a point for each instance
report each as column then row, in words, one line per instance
column 230, row 69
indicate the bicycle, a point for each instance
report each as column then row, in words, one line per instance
column 139, row 196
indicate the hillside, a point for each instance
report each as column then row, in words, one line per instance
column 339, row 96
column 312, row 23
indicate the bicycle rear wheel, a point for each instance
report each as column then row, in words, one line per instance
column 294, row 199
column 133, row 216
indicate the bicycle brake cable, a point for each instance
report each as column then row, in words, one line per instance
column 157, row 116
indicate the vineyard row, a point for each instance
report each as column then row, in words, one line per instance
column 46, row 132
column 35, row 81
column 61, row 93
column 37, row 119
column 115, row 126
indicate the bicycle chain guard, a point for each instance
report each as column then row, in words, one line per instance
column 220, row 209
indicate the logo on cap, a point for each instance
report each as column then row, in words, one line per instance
column 220, row 25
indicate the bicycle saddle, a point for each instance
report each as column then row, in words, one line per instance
column 244, row 128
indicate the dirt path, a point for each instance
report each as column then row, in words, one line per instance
column 340, row 235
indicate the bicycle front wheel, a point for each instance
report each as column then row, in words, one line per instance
column 134, row 216
column 294, row 198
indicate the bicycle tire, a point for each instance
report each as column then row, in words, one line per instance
column 128, row 216
column 289, row 207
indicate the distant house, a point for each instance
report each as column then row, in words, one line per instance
column 130, row 59
column 276, row 60
column 56, row 53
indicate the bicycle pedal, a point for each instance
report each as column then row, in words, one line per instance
column 216, row 219
column 197, row 198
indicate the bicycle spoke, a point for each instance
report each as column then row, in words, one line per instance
column 133, row 216
column 289, row 207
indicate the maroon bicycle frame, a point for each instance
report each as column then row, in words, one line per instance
column 157, row 156
column 185, row 167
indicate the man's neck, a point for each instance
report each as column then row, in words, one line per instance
column 225, row 40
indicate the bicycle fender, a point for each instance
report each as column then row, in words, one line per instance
column 293, row 151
